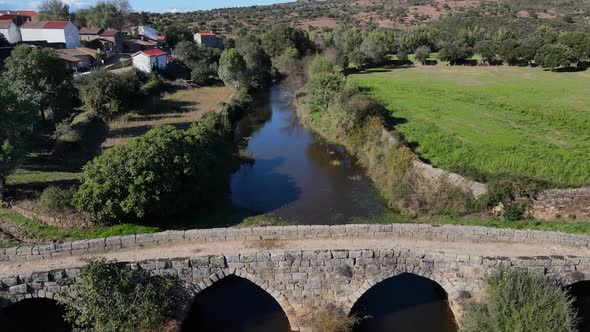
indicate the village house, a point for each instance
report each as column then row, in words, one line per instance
column 10, row 31
column 147, row 60
column 115, row 37
column 79, row 58
column 90, row 34
column 209, row 39
column 136, row 45
column 29, row 14
column 145, row 32
column 51, row 32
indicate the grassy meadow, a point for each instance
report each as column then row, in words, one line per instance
column 493, row 120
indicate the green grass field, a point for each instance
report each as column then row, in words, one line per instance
column 523, row 121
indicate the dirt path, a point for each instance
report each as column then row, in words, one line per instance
column 188, row 249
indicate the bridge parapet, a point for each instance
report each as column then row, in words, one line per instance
column 409, row 231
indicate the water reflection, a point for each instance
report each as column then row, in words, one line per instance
column 296, row 175
column 404, row 303
column 237, row 305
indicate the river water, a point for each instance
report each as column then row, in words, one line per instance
column 295, row 175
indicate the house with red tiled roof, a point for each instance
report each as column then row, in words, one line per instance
column 147, row 60
column 52, row 32
column 115, row 37
column 89, row 34
column 209, row 39
column 28, row 13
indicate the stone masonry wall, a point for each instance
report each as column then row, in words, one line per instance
column 60, row 222
column 301, row 281
column 412, row 231
column 566, row 204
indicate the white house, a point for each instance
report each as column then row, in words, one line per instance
column 149, row 59
column 209, row 39
column 146, row 32
column 51, row 32
column 10, row 31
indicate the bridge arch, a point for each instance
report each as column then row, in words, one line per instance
column 451, row 294
column 223, row 274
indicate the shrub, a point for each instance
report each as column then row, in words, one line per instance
column 506, row 189
column 517, row 301
column 57, row 198
column 65, row 133
column 330, row 319
column 513, row 212
column 116, row 298
column 422, row 54
column 554, row 56
column 161, row 173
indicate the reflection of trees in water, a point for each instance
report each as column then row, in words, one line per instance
column 324, row 155
column 293, row 127
column 255, row 119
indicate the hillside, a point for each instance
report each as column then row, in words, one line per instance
column 396, row 14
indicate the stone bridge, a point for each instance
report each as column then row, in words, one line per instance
column 305, row 267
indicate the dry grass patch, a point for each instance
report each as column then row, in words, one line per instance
column 180, row 108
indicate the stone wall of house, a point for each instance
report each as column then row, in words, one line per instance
column 562, row 204
column 301, row 281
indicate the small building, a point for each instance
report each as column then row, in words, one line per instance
column 209, row 39
column 90, row 34
column 145, row 32
column 115, row 37
column 147, row 60
column 136, row 45
column 79, row 58
column 28, row 13
column 10, row 31
column 51, row 32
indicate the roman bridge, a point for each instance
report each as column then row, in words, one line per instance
column 306, row 267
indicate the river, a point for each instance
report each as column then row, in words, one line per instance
column 295, row 175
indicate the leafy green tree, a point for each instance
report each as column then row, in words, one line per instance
column 348, row 42
column 105, row 15
column 529, row 48
column 455, row 52
column 202, row 73
column 258, row 62
column 422, row 54
column 554, row 56
column 54, row 10
column 374, row 47
column 416, row 37
column 38, row 77
column 17, row 118
column 233, row 69
column 112, row 297
column 486, row 49
column 471, row 35
column 517, row 301
column 325, row 83
column 105, row 94
column 578, row 42
column 177, row 33
column 282, row 37
column 509, row 51
column 160, row 173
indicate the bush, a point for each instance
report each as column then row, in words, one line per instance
column 517, row 301
column 57, row 198
column 422, row 54
column 65, row 133
column 161, row 173
column 513, row 212
column 330, row 319
column 117, row 298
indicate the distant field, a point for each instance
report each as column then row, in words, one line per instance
column 521, row 121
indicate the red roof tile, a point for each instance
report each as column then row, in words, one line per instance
column 207, row 34
column 154, row 52
column 55, row 24
column 33, row 25
column 29, row 13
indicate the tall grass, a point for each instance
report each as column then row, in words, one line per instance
column 518, row 121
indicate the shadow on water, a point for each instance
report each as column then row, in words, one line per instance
column 237, row 305
column 403, row 303
column 34, row 315
column 580, row 291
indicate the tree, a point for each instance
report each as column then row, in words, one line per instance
column 509, row 51
column 416, row 37
column 105, row 94
column 422, row 54
column 522, row 302
column 161, row 173
column 325, row 83
column 554, row 56
column 282, row 37
column 486, row 49
column 233, row 69
column 374, row 47
column 177, row 33
column 578, row 42
column 37, row 76
column 104, row 14
column 258, row 62
column 53, row 10
column 112, row 297
column 17, row 118
column 454, row 52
